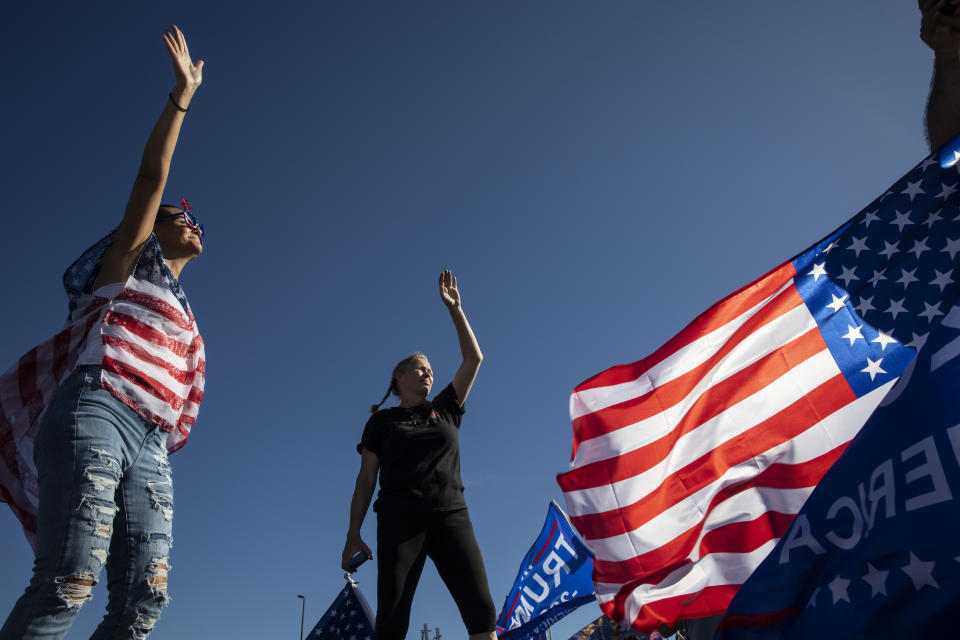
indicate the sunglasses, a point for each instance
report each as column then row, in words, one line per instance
column 188, row 218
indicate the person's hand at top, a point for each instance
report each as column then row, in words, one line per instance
column 189, row 73
column 448, row 290
column 939, row 31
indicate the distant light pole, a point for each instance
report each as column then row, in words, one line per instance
column 303, row 609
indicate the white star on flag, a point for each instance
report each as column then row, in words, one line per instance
column 902, row 220
column 931, row 311
column 921, row 573
column 873, row 368
column 896, row 307
column 818, row 271
column 948, row 190
column 907, row 277
column 952, row 247
column 848, row 274
column 838, row 303
column 942, row 280
column 919, row 247
column 913, row 189
column 838, row 589
column 877, row 580
column 884, row 340
column 918, row 341
column 858, row 245
column 865, row 304
column 853, row 334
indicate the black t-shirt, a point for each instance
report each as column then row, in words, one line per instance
column 419, row 452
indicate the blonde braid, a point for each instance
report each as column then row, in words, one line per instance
column 376, row 407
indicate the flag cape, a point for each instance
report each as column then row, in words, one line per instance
column 688, row 465
column 554, row 579
column 153, row 362
column 348, row 618
column 874, row 552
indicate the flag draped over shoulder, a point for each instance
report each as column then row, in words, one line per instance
column 153, row 362
column 874, row 552
column 348, row 618
column 554, row 579
column 689, row 464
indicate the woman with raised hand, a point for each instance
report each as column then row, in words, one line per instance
column 420, row 509
column 87, row 418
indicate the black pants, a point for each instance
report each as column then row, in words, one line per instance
column 403, row 543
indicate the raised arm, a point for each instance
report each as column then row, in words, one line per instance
column 942, row 34
column 469, row 349
column 145, row 197
column 362, row 493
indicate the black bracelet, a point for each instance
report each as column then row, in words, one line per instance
column 174, row 103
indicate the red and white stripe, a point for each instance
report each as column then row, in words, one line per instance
column 25, row 390
column 690, row 464
column 154, row 362
column 154, row 358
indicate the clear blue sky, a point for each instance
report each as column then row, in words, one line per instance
column 595, row 173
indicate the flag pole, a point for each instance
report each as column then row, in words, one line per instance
column 303, row 610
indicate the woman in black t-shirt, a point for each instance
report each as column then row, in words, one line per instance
column 420, row 508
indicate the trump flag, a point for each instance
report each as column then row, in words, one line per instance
column 554, row 579
column 874, row 552
column 690, row 464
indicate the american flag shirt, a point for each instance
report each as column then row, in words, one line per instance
column 153, row 362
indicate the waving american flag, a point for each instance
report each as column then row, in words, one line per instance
column 690, row 464
column 869, row 555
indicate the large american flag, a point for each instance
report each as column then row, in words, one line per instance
column 688, row 465
column 153, row 361
column 348, row 618
column 885, row 566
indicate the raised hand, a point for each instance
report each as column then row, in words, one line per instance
column 189, row 73
column 939, row 31
column 448, row 289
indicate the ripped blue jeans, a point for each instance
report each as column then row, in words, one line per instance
column 106, row 498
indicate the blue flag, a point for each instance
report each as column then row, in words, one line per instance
column 554, row 579
column 348, row 618
column 875, row 552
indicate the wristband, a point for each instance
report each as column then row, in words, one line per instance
column 174, row 103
